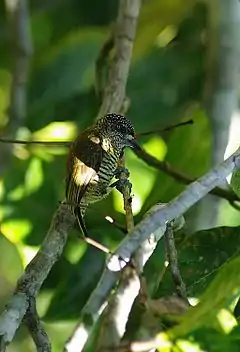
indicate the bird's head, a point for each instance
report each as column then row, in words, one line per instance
column 118, row 131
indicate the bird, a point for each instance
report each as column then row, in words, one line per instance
column 92, row 162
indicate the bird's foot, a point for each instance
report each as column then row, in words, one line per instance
column 121, row 184
column 121, row 170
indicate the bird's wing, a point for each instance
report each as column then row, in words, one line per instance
column 83, row 164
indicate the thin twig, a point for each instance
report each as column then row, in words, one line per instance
column 43, row 143
column 115, row 315
column 166, row 129
column 173, row 262
column 36, row 328
column 163, row 166
column 38, row 269
column 127, row 199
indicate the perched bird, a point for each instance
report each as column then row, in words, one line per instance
column 93, row 161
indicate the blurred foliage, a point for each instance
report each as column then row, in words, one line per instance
column 166, row 85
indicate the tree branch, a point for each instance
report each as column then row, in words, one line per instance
column 167, row 168
column 36, row 272
column 116, row 314
column 22, row 52
column 113, row 100
column 157, row 219
column 36, row 328
column 173, row 262
column 114, row 93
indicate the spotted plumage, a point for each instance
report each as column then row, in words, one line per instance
column 93, row 160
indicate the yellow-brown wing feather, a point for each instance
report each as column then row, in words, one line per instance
column 83, row 164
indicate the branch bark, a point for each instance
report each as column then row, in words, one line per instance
column 156, row 220
column 114, row 93
column 113, row 100
column 38, row 269
column 35, row 273
column 167, row 168
column 36, row 328
column 115, row 316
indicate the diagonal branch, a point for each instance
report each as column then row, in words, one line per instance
column 35, row 273
column 167, row 168
column 157, row 219
column 36, row 328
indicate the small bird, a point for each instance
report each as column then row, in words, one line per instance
column 92, row 162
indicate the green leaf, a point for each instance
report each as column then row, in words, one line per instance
column 201, row 256
column 16, row 229
column 235, row 182
column 187, row 152
column 67, row 69
column 224, row 288
column 10, row 268
column 34, row 176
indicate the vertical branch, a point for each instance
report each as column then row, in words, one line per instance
column 114, row 93
column 127, row 199
column 225, row 26
column 173, row 262
column 21, row 46
column 222, row 95
column 113, row 101
column 36, row 328
column 116, row 313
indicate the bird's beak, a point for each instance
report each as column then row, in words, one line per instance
column 134, row 144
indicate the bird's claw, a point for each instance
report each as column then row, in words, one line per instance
column 121, row 170
column 121, row 184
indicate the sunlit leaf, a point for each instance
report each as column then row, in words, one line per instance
column 166, row 35
column 226, row 320
column 222, row 290
column 27, row 253
column 56, row 131
column 34, row 176
column 155, row 16
column 15, row 230
column 10, row 265
column 17, row 193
